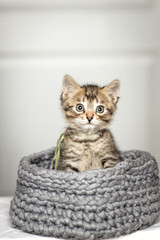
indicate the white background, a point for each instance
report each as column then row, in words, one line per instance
column 95, row 41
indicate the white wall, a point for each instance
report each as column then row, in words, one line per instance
column 95, row 42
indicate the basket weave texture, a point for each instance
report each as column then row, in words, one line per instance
column 89, row 205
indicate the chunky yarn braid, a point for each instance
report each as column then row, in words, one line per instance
column 88, row 205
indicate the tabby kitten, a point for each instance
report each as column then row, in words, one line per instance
column 88, row 143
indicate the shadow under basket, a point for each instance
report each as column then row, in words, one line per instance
column 97, row 204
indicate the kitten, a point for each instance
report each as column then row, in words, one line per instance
column 88, row 143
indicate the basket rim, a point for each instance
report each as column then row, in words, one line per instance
column 143, row 157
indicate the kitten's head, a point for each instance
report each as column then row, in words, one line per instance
column 89, row 106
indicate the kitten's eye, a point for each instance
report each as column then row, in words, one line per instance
column 79, row 107
column 100, row 109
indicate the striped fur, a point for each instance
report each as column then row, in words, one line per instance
column 88, row 143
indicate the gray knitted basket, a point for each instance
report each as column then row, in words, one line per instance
column 89, row 205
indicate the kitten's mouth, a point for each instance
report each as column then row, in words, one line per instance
column 89, row 124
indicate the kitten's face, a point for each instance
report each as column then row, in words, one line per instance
column 89, row 106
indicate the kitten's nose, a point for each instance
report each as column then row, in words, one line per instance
column 89, row 116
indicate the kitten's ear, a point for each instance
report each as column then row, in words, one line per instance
column 69, row 86
column 112, row 90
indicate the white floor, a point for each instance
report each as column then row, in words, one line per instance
column 7, row 232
